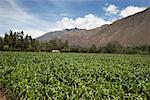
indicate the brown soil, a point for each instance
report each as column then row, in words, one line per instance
column 2, row 94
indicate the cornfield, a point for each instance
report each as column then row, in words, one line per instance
column 74, row 76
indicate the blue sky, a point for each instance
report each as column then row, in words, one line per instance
column 37, row 17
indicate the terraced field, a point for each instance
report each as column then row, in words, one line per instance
column 74, row 76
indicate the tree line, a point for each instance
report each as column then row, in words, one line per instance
column 115, row 47
column 17, row 41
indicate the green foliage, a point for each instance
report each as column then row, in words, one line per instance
column 1, row 43
column 17, row 41
column 72, row 76
column 34, row 46
column 93, row 48
column 113, row 47
column 5, row 47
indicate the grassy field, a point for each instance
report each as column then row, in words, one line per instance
column 51, row 76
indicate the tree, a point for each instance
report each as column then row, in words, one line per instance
column 6, row 38
column 34, row 46
column 66, row 46
column 5, row 47
column 113, row 47
column 75, row 48
column 1, row 43
column 20, row 44
column 16, row 40
column 51, row 45
column 11, row 41
column 93, row 48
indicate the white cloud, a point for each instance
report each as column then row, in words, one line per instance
column 130, row 10
column 16, row 18
column 33, row 32
column 12, row 16
column 89, row 21
column 111, row 9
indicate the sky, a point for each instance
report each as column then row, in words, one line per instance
column 36, row 17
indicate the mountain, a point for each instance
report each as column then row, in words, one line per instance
column 133, row 30
column 130, row 31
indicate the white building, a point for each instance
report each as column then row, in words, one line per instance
column 55, row 51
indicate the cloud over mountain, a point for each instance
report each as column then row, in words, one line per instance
column 40, row 16
column 112, row 9
column 89, row 21
column 130, row 10
column 130, row 31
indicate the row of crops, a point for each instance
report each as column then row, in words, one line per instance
column 74, row 76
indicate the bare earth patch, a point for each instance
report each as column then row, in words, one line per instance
column 2, row 94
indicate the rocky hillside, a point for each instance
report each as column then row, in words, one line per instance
column 133, row 30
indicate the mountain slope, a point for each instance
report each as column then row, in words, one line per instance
column 133, row 30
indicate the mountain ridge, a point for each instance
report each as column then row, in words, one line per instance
column 133, row 30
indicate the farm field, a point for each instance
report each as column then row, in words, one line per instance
column 74, row 76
